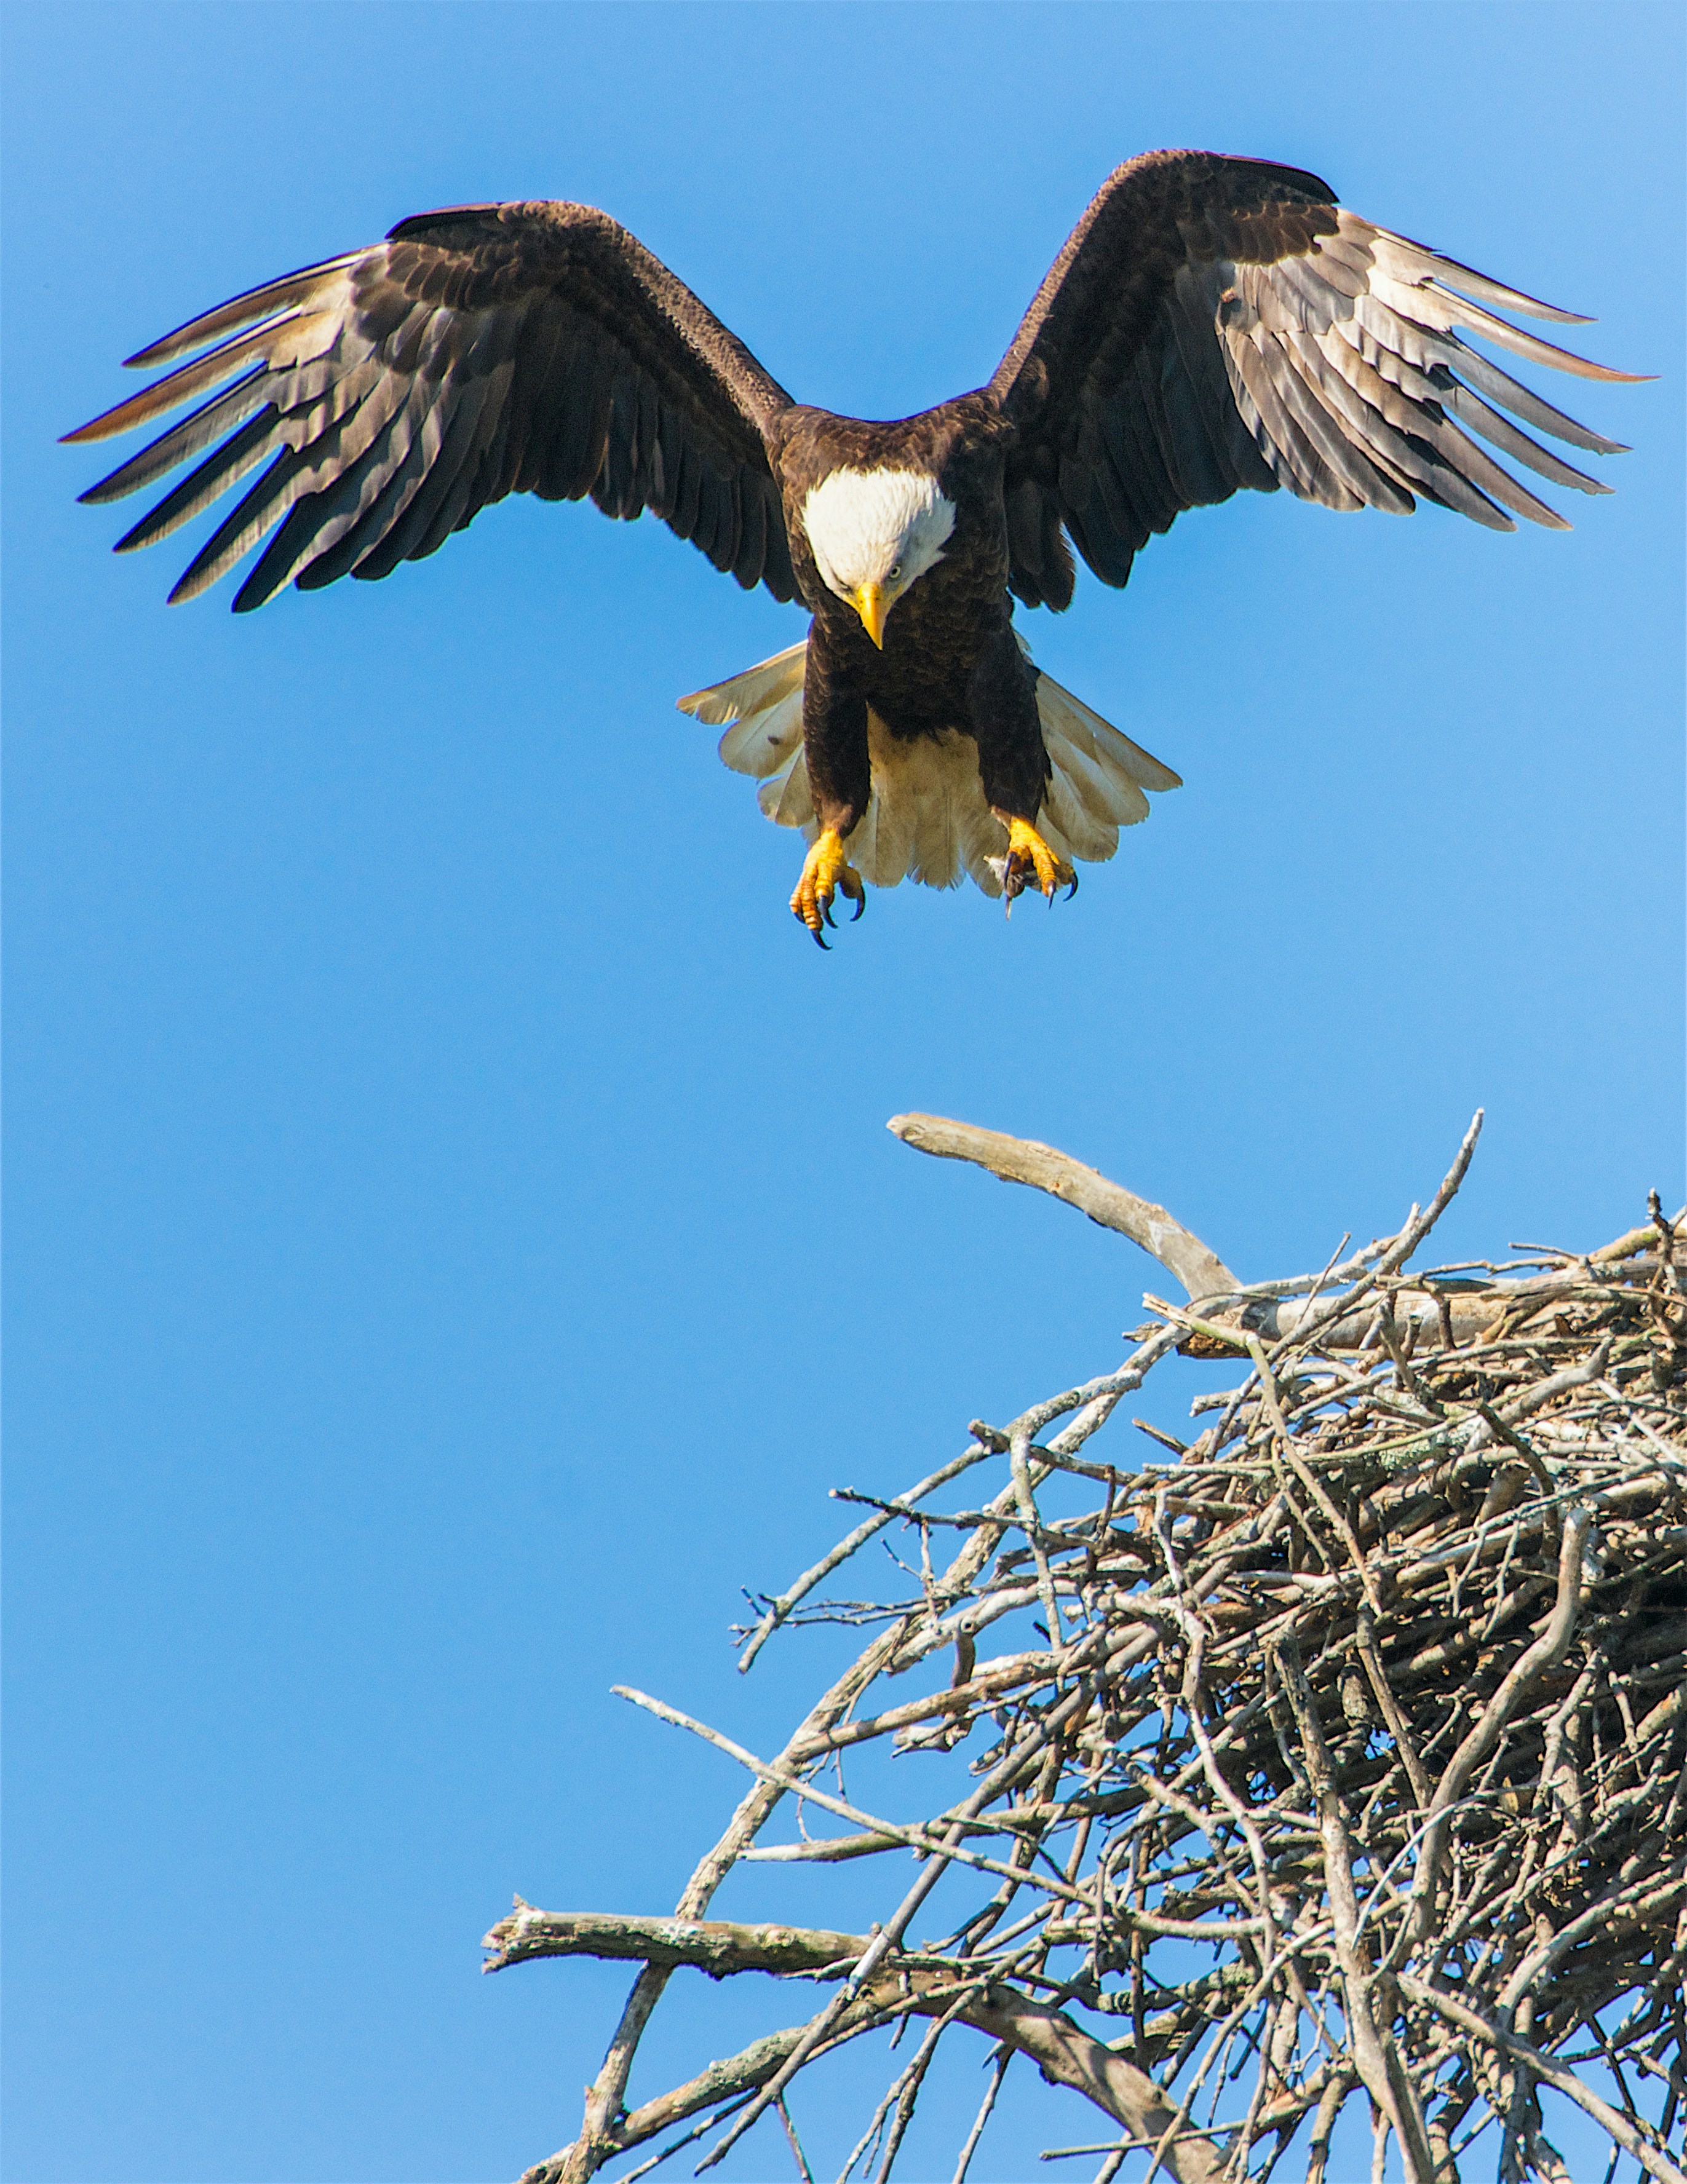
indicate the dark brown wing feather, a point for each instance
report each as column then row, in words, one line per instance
column 1216, row 323
column 390, row 394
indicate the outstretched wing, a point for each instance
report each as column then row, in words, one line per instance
column 1216, row 323
column 393, row 393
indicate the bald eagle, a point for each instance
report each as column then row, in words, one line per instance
column 1212, row 323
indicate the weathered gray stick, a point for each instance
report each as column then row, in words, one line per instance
column 1022, row 1160
column 1065, row 2053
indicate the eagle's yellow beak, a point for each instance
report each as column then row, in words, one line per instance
column 869, row 601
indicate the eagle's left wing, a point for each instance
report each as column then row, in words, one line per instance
column 1219, row 323
column 488, row 349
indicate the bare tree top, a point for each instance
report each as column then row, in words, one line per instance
column 1376, row 1689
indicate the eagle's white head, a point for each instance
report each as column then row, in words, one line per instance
column 873, row 533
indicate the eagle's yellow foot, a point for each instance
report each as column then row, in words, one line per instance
column 826, row 872
column 1030, row 862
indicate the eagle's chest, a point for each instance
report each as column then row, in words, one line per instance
column 918, row 685
column 934, row 639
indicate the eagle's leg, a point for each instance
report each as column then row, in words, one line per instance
column 826, row 872
column 1030, row 862
column 841, row 782
column 1013, row 763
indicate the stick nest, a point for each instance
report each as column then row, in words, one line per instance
column 1343, row 1754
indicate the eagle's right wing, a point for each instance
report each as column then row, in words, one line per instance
column 1217, row 323
column 489, row 349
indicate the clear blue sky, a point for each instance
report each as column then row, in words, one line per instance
column 454, row 1242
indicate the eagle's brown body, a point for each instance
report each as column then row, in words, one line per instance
column 1211, row 323
column 949, row 660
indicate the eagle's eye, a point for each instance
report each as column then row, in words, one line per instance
column 895, row 571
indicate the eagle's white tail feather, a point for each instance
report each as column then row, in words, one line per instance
column 927, row 819
column 784, row 797
column 1106, row 799
column 1069, row 831
column 766, row 737
column 888, row 840
column 742, row 696
column 1077, row 723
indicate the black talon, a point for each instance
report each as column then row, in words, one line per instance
column 820, row 940
column 826, row 912
column 1073, row 889
column 860, row 905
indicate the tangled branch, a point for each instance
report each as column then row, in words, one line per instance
column 1377, row 1695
